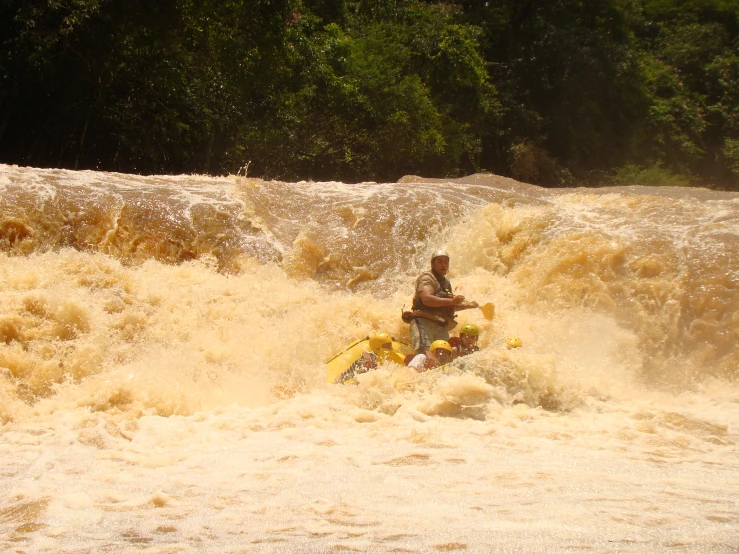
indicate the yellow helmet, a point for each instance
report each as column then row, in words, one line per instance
column 376, row 341
column 513, row 342
column 440, row 344
column 438, row 254
column 470, row 329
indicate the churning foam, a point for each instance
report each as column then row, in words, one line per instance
column 162, row 378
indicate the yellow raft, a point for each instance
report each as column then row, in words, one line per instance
column 341, row 362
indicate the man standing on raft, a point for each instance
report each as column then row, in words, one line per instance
column 434, row 305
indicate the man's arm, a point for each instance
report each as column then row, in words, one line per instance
column 418, row 362
column 433, row 301
column 466, row 305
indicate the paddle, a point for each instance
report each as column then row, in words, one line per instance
column 488, row 310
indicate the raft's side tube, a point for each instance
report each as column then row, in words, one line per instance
column 341, row 362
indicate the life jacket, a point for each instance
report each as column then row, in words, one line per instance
column 442, row 315
column 430, row 362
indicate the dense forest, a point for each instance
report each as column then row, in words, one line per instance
column 554, row 92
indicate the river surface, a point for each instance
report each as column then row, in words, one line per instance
column 163, row 383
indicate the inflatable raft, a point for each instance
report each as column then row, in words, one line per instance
column 341, row 362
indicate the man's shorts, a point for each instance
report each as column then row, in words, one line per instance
column 424, row 332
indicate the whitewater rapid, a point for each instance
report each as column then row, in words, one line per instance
column 163, row 387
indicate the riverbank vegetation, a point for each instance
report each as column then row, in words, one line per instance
column 553, row 92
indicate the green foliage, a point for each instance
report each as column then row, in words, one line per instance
column 731, row 153
column 549, row 92
column 388, row 100
column 567, row 75
column 675, row 123
column 691, row 77
column 653, row 175
column 532, row 164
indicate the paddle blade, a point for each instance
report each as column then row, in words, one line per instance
column 488, row 310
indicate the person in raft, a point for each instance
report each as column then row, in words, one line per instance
column 466, row 343
column 440, row 353
column 381, row 345
column 434, row 305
